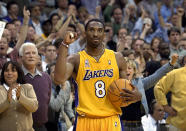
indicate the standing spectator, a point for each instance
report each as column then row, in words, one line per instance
column 4, row 44
column 43, row 5
column 50, row 56
column 164, row 52
column 174, row 82
column 35, row 18
column 60, row 103
column 174, row 38
column 13, row 10
column 62, row 8
column 132, row 114
column 18, row 100
column 39, row 80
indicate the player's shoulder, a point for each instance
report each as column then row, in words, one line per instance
column 74, row 58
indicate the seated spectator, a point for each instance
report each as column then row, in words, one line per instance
column 152, row 121
column 18, row 100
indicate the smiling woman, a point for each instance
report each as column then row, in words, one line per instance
column 18, row 100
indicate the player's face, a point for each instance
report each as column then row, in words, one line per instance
column 95, row 34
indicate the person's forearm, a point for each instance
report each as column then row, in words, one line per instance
column 179, row 23
column 60, row 68
column 151, row 80
column 62, row 31
column 161, row 20
column 81, row 28
column 59, row 23
column 143, row 34
column 107, row 13
column 43, row 43
column 23, row 33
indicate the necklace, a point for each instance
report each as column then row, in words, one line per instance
column 97, row 57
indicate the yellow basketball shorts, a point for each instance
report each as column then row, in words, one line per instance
column 111, row 123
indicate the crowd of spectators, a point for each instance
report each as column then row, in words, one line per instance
column 146, row 32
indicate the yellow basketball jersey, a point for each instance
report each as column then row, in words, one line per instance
column 93, row 80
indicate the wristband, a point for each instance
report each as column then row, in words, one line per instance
column 171, row 64
column 62, row 43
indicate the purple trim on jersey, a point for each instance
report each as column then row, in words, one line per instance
column 76, row 93
column 122, row 126
column 75, row 123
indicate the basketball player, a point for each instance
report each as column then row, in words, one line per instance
column 94, row 69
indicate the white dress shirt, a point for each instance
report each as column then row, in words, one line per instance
column 149, row 123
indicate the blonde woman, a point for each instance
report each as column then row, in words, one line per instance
column 132, row 114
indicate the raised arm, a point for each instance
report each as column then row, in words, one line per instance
column 46, row 41
column 64, row 67
column 151, row 80
column 62, row 31
column 161, row 20
column 24, row 28
column 180, row 12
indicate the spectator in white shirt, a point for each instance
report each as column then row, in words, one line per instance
column 156, row 113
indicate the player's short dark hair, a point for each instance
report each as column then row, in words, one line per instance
column 95, row 20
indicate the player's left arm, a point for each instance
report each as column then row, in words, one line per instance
column 128, row 95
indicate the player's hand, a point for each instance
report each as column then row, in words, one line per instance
column 174, row 59
column 70, row 37
column 171, row 111
column 18, row 92
column 133, row 95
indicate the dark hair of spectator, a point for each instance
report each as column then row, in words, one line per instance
column 72, row 26
column 173, row 29
column 50, row 44
column 33, row 5
column 19, row 70
column 48, row 67
column 134, row 41
column 94, row 20
column 151, row 109
column 114, row 8
column 154, row 40
column 8, row 6
column 54, row 14
column 126, row 53
column 9, row 23
column 15, row 20
column 57, row 42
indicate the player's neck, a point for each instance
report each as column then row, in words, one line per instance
column 98, row 51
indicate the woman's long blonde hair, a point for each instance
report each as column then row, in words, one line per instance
column 132, row 64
